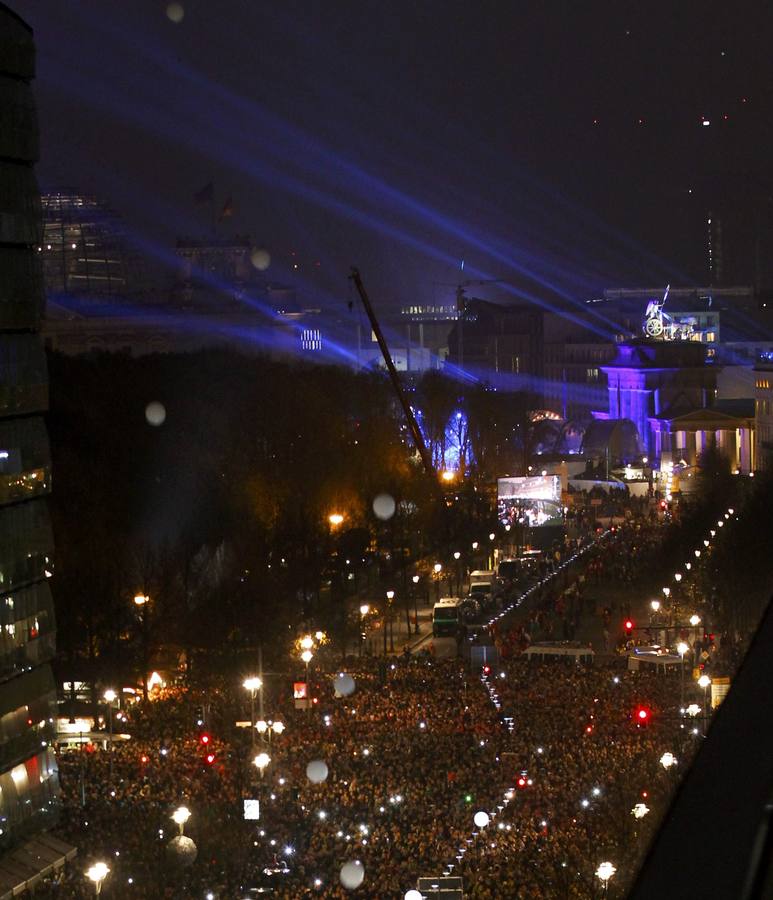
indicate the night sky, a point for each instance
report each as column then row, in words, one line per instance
column 556, row 145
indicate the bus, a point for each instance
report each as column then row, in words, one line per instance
column 445, row 617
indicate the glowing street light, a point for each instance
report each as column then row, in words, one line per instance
column 491, row 536
column 438, row 568
column 604, row 872
column 640, row 810
column 681, row 649
column 457, row 554
column 667, row 592
column 110, row 698
column 140, row 600
column 180, row 816
column 252, row 684
column 335, row 519
column 667, row 760
column 697, row 554
column 97, row 874
column 364, row 609
column 261, row 761
column 447, row 475
column 474, row 545
column 706, row 542
column 695, row 620
column 677, row 577
column 692, row 710
column 307, row 656
column 704, row 681
column 307, row 642
column 655, row 605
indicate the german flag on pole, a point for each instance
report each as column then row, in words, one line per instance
column 227, row 211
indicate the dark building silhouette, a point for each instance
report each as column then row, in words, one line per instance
column 29, row 783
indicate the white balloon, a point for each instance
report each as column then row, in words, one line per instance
column 343, row 685
column 261, row 259
column 384, row 506
column 316, row 771
column 413, row 895
column 175, row 13
column 481, row 819
column 352, row 874
column 155, row 413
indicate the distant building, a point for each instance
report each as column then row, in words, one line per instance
column 84, row 251
column 763, row 410
column 29, row 778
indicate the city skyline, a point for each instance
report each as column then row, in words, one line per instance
column 562, row 152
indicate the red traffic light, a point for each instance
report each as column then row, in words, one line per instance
column 642, row 715
column 628, row 625
column 204, row 739
column 209, row 758
column 521, row 782
column 487, row 670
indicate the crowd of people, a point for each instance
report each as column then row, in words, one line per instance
column 557, row 755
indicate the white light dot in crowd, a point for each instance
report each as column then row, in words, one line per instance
column 316, row 771
column 175, row 13
column 384, row 506
column 343, row 684
column 352, row 874
column 261, row 259
column 481, row 819
column 413, row 895
column 155, row 414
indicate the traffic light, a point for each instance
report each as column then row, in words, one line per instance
column 198, row 715
column 642, row 716
column 205, row 739
column 628, row 625
column 487, row 670
column 209, row 758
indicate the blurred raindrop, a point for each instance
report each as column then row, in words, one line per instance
column 261, row 259
column 155, row 413
column 384, row 506
column 343, row 685
column 352, row 874
column 316, row 771
column 175, row 13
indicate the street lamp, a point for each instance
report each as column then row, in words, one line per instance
column 697, row 554
column 307, row 657
column 640, row 810
column 180, row 816
column 110, row 696
column 307, row 642
column 447, row 475
column 667, row 760
column 335, row 519
column 655, row 605
column 604, row 872
column 695, row 620
column 667, row 592
column 706, row 543
column 678, row 577
column 261, row 761
column 97, row 873
column 252, row 684
column 269, row 728
column 364, row 609
column 704, row 681
column 415, row 579
column 681, row 649
column 142, row 602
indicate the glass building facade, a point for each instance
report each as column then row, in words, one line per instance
column 29, row 782
column 83, row 250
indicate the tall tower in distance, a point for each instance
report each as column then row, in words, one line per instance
column 29, row 779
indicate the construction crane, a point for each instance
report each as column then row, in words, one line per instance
column 413, row 425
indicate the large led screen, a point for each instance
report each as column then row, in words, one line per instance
column 534, row 502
